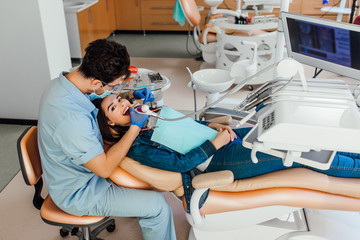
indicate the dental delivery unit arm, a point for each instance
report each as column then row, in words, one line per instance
column 300, row 126
column 307, row 121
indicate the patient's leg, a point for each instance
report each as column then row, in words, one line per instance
column 236, row 158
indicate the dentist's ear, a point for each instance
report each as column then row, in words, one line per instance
column 95, row 83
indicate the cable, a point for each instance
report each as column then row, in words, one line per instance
column 330, row 8
column 353, row 6
column 187, row 44
column 316, row 73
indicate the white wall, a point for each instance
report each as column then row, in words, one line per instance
column 34, row 49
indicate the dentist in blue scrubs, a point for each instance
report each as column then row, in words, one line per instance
column 74, row 163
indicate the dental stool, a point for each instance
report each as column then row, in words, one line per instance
column 30, row 164
column 233, row 207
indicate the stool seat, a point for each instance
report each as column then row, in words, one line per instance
column 50, row 213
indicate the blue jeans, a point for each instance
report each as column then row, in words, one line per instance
column 236, row 158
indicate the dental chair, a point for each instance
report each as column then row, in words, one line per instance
column 206, row 38
column 227, row 46
column 234, row 208
column 30, row 164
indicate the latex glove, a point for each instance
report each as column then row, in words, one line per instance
column 144, row 93
column 137, row 118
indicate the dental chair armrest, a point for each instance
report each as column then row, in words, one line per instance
column 213, row 179
column 225, row 120
column 203, row 182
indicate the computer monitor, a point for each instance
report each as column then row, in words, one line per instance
column 326, row 44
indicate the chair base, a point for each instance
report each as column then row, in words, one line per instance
column 86, row 233
column 309, row 224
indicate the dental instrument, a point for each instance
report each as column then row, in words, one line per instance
column 136, row 103
column 194, row 90
column 145, row 109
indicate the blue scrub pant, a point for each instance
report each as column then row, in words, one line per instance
column 236, row 158
column 154, row 213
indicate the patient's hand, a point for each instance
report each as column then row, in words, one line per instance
column 218, row 126
column 221, row 139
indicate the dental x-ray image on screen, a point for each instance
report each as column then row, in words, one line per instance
column 322, row 43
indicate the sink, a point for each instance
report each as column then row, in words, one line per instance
column 212, row 80
column 74, row 4
column 77, row 6
column 213, row 3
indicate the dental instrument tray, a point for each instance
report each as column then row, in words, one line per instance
column 146, row 78
column 307, row 127
column 317, row 159
column 155, row 77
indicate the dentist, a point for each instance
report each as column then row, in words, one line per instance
column 74, row 163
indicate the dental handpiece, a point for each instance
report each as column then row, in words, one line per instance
column 144, row 109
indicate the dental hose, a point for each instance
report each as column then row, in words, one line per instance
column 230, row 92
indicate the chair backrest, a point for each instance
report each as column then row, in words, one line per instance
column 29, row 156
column 191, row 12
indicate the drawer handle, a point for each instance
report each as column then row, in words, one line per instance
column 162, row 8
column 318, row 7
column 90, row 16
column 163, row 23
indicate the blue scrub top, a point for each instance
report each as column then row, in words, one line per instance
column 69, row 136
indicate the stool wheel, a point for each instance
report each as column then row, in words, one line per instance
column 64, row 232
column 74, row 231
column 110, row 228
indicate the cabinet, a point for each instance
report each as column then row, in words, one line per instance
column 97, row 21
column 128, row 14
column 157, row 14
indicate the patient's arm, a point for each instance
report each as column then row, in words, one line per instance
column 159, row 156
column 222, row 138
column 218, row 126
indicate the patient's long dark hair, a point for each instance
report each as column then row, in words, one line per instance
column 110, row 134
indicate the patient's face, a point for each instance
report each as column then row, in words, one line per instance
column 117, row 110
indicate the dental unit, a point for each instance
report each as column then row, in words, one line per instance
column 310, row 109
column 298, row 119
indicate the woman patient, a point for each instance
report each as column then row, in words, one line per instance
column 225, row 152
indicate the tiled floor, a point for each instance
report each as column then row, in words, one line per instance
column 20, row 220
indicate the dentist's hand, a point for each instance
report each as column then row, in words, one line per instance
column 137, row 118
column 144, row 93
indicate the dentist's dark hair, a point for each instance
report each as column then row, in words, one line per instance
column 110, row 134
column 105, row 60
